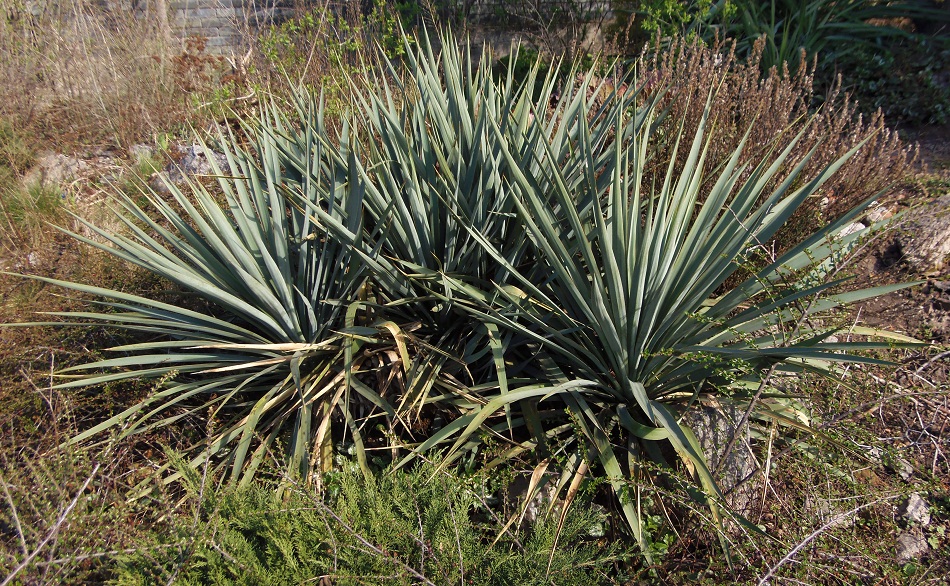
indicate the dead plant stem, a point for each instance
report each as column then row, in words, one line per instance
column 814, row 534
column 54, row 530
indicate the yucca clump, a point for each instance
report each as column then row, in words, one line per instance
column 488, row 253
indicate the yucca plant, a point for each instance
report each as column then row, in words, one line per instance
column 434, row 173
column 630, row 323
column 266, row 353
column 614, row 305
column 534, row 286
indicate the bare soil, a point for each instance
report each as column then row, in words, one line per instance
column 922, row 311
column 908, row 408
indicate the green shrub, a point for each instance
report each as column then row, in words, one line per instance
column 282, row 291
column 822, row 29
column 873, row 45
column 318, row 48
column 908, row 82
column 409, row 527
column 826, row 29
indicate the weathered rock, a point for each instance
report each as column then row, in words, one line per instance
column 878, row 213
column 714, row 428
column 141, row 152
column 193, row 161
column 916, row 510
column 925, row 241
column 55, row 169
column 851, row 229
column 903, row 468
column 911, row 545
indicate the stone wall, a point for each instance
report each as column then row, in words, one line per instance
column 225, row 22
column 221, row 22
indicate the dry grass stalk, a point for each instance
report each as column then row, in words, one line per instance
column 76, row 74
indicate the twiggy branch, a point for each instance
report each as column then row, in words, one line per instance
column 734, row 437
column 104, row 554
column 932, row 360
column 834, row 521
column 53, row 531
column 16, row 518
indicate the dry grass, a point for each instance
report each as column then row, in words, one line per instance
column 63, row 509
column 75, row 75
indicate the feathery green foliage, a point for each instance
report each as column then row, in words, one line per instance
column 414, row 527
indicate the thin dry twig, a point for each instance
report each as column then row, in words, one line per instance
column 16, row 518
column 54, row 530
column 734, row 437
column 104, row 554
column 831, row 523
column 932, row 360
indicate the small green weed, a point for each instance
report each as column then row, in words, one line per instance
column 16, row 152
column 25, row 212
column 24, row 209
column 33, row 204
column 319, row 49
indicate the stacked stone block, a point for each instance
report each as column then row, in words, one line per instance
column 222, row 22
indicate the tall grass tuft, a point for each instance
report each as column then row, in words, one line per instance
column 75, row 73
